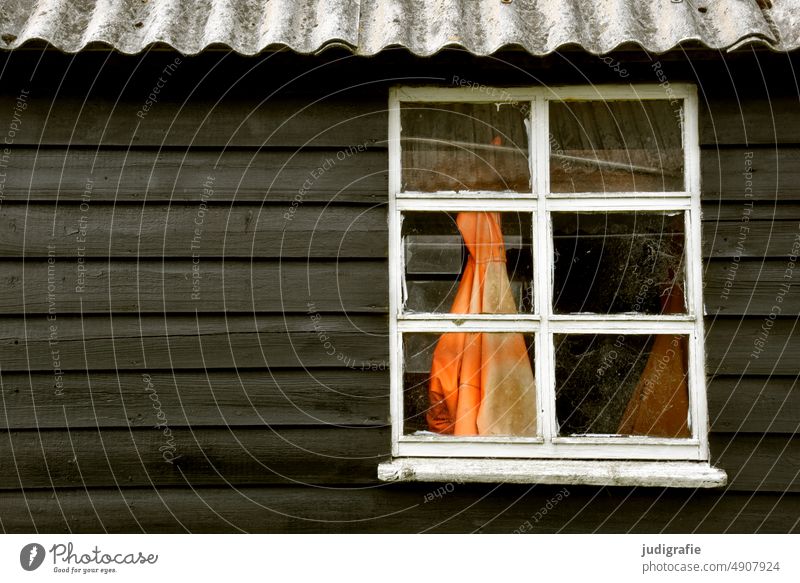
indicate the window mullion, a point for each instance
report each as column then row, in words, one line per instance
column 545, row 359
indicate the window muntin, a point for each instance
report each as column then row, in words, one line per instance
column 543, row 320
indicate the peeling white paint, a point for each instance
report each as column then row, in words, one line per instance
column 578, row 472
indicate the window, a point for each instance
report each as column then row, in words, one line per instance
column 545, row 281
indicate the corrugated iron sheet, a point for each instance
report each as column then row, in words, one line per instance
column 421, row 26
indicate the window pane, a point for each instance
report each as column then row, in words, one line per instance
column 616, row 146
column 621, row 262
column 622, row 384
column 463, row 383
column 483, row 260
column 465, row 146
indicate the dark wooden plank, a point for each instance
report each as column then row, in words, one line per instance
column 468, row 508
column 307, row 229
column 262, row 456
column 198, row 399
column 185, row 342
column 763, row 210
column 174, row 456
column 189, row 286
column 136, row 175
column 750, row 118
column 159, row 230
column 743, row 238
column 141, row 342
column 734, row 109
column 751, row 288
column 754, row 404
column 764, row 173
column 295, row 119
column 346, row 396
column 268, row 455
column 755, row 463
column 732, row 346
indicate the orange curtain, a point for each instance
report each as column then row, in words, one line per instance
column 659, row 405
column 482, row 383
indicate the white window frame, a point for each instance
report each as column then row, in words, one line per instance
column 507, row 457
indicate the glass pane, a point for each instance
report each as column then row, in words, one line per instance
column 621, row 262
column 468, row 262
column 463, row 383
column 624, row 384
column 616, row 146
column 465, row 146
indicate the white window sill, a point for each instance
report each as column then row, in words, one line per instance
column 674, row 474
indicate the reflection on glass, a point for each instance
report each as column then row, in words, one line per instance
column 437, row 247
column 616, row 146
column 623, row 384
column 464, row 146
column 469, row 384
column 618, row 262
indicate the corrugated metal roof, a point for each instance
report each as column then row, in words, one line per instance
column 421, row 26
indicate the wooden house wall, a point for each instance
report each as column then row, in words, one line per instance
column 272, row 381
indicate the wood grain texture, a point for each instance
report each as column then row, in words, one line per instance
column 773, row 172
column 397, row 508
column 131, row 342
column 182, row 230
column 279, row 455
column 763, row 229
column 296, row 120
column 178, row 174
column 230, row 398
column 287, row 397
column 177, row 456
column 301, row 228
column 731, row 344
column 755, row 117
column 128, row 342
column 768, row 462
column 756, row 404
column 750, row 288
column 189, row 286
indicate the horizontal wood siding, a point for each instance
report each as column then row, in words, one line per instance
column 469, row 508
column 139, row 342
column 156, row 286
column 197, row 398
column 230, row 230
column 281, row 454
column 748, row 404
column 171, row 175
column 226, row 277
